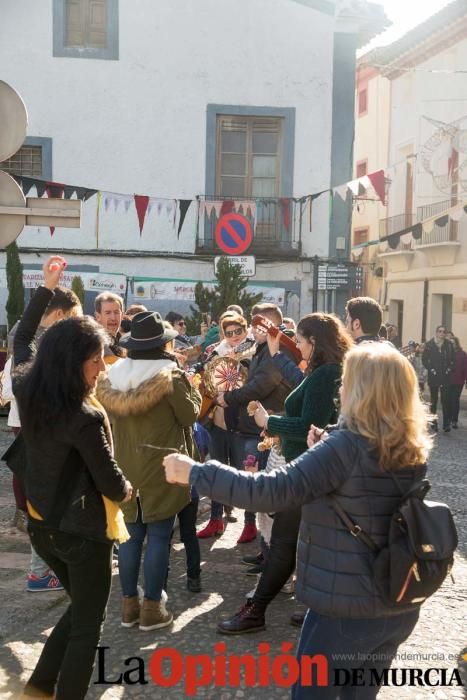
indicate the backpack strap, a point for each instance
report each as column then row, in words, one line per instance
column 352, row 527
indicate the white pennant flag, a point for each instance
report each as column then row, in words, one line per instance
column 428, row 226
column 365, row 182
column 354, row 187
column 208, row 207
column 407, row 238
column 341, row 191
column 457, row 212
column 218, row 208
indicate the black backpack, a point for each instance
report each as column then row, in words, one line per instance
column 420, row 550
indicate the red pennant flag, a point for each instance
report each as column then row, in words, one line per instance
column 141, row 204
column 54, row 189
column 285, row 204
column 378, row 181
column 228, row 206
column 52, row 230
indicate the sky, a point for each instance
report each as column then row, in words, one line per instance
column 404, row 15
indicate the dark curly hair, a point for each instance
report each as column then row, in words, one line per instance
column 331, row 340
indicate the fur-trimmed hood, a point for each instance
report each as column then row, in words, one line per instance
column 135, row 386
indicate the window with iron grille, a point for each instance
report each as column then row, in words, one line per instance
column 27, row 161
column 248, row 163
column 86, row 28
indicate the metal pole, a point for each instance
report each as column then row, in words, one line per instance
column 315, row 283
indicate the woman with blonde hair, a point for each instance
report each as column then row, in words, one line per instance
column 378, row 452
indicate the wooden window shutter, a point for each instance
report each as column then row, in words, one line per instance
column 75, row 21
column 97, row 24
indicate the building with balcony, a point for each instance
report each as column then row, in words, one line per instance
column 423, row 254
column 232, row 107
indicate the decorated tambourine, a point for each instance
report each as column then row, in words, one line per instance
column 223, row 374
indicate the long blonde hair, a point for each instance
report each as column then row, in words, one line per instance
column 380, row 401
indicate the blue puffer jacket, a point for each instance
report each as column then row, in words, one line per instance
column 335, row 575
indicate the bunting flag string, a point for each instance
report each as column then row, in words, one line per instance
column 184, row 205
column 457, row 212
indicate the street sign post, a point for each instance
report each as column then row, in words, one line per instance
column 247, row 263
column 15, row 210
column 233, row 234
column 332, row 276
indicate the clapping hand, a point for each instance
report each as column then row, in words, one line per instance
column 260, row 415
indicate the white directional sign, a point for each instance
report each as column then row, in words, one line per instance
column 247, row 262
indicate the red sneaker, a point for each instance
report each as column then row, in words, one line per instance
column 214, row 528
column 249, row 533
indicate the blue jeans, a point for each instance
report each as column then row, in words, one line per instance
column 156, row 557
column 229, row 448
column 332, row 636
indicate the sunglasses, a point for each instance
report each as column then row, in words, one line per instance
column 180, row 323
column 230, row 334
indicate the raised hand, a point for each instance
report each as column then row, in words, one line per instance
column 52, row 270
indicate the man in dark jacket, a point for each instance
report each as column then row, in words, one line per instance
column 265, row 383
column 439, row 358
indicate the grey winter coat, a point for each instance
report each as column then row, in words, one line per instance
column 335, row 575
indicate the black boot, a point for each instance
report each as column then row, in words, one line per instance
column 250, row 618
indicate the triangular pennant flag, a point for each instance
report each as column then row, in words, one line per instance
column 417, row 231
column 285, row 205
column 365, row 182
column 407, row 238
column 54, row 190
column 141, row 204
column 107, row 198
column 394, row 240
column 208, row 207
column 377, row 179
column 68, row 191
column 442, row 221
column 354, row 187
column 252, row 207
column 427, row 226
column 127, row 204
column 456, row 213
column 41, row 186
column 84, row 193
column 341, row 190
column 239, row 204
column 357, row 252
column 52, row 230
column 26, row 185
column 184, row 205
column 226, row 208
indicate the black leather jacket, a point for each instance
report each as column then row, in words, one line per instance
column 70, row 466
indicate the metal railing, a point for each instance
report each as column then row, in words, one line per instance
column 276, row 223
column 439, row 234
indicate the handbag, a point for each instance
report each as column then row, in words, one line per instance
column 419, row 553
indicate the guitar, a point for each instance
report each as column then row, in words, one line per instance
column 269, row 327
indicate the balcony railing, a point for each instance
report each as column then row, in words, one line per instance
column 438, row 234
column 276, row 224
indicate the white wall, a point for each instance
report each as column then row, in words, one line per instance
column 139, row 124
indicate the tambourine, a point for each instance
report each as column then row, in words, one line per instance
column 223, row 374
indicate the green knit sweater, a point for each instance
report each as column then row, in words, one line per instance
column 311, row 402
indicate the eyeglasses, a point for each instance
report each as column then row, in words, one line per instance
column 230, row 334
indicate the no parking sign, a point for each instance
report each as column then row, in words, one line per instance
column 233, row 234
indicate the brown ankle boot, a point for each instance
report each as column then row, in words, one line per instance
column 130, row 611
column 154, row 615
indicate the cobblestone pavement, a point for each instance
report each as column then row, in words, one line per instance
column 25, row 619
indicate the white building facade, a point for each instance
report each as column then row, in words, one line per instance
column 425, row 280
column 223, row 102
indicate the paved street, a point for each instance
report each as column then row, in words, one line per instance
column 26, row 618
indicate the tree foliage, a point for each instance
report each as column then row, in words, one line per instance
column 78, row 288
column 14, row 278
column 229, row 289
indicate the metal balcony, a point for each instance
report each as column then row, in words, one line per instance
column 439, row 234
column 276, row 224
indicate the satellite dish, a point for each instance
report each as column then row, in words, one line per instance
column 11, row 195
column 13, row 121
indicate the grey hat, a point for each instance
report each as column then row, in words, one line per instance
column 148, row 330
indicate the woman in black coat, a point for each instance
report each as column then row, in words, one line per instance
column 70, row 469
column 383, row 434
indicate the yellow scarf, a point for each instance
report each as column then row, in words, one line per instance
column 116, row 528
